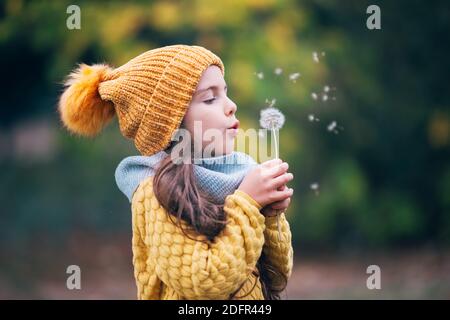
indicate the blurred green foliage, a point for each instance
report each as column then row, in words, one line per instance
column 384, row 179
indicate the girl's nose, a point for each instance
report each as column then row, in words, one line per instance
column 230, row 108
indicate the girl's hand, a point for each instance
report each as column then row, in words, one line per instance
column 279, row 206
column 264, row 183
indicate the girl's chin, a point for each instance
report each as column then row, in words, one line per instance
column 232, row 132
column 226, row 149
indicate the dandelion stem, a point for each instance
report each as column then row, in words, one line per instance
column 274, row 132
column 278, row 212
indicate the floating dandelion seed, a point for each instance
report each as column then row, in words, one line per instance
column 271, row 103
column 334, row 127
column 312, row 118
column 294, row 76
column 272, row 119
column 315, row 187
column 327, row 92
column 278, row 71
column 260, row 75
column 315, row 57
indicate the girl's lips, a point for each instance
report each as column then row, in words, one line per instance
column 235, row 125
column 233, row 130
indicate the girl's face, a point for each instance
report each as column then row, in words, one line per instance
column 211, row 113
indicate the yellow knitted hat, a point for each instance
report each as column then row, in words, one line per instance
column 150, row 95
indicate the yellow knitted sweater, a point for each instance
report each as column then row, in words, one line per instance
column 170, row 266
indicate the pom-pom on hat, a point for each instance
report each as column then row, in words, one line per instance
column 150, row 95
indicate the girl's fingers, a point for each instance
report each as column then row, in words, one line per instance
column 281, row 205
column 271, row 163
column 277, row 170
column 282, row 195
column 282, row 180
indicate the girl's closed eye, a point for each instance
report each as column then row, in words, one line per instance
column 210, row 101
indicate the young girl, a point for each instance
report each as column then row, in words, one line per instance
column 204, row 228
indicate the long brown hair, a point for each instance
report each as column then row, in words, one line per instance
column 176, row 189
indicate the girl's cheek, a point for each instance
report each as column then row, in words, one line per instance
column 209, row 117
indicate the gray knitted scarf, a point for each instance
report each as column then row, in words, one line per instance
column 219, row 176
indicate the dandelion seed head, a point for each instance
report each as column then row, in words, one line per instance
column 325, row 97
column 271, row 118
column 260, row 75
column 326, row 88
column 278, row 71
column 314, row 95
